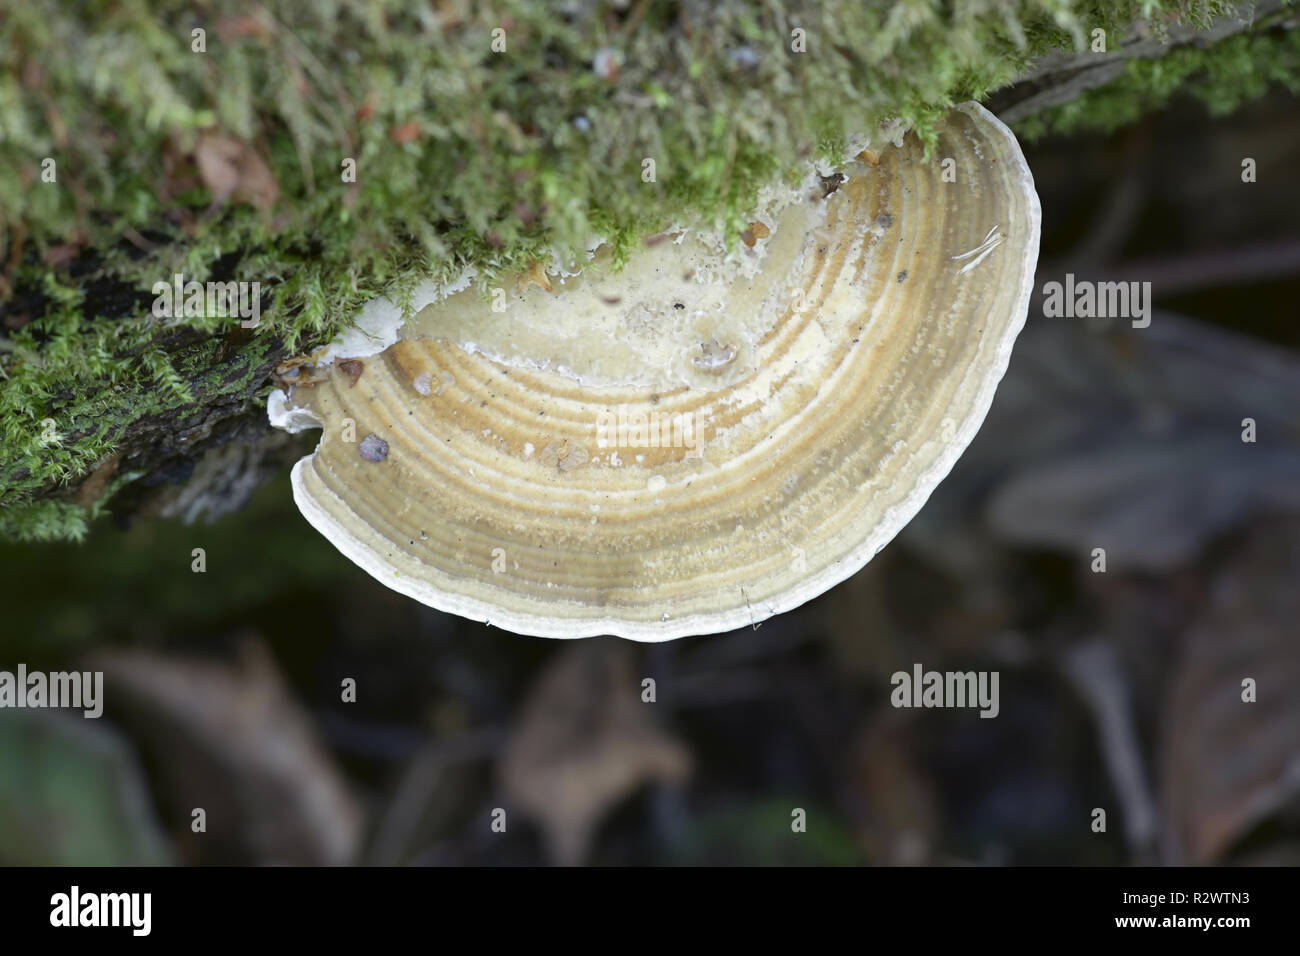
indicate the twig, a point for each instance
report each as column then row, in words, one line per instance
column 1097, row 674
column 405, row 810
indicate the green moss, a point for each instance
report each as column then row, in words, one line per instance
column 1222, row 76
column 463, row 156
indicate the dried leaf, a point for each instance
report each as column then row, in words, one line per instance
column 234, row 742
column 1228, row 764
column 1151, row 504
column 234, row 172
column 1121, row 446
column 585, row 742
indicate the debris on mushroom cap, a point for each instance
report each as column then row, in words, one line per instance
column 754, row 232
column 373, row 448
column 582, row 472
column 536, row 275
column 352, row 368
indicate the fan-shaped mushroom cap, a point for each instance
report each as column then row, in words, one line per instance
column 699, row 441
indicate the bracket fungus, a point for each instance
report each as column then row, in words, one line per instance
column 700, row 440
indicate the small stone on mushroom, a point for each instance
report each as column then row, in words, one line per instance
column 373, row 448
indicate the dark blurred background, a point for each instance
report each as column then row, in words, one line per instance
column 1119, row 690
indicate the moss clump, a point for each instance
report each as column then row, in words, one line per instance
column 1223, row 76
column 487, row 136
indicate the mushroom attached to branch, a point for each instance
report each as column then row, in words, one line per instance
column 700, row 440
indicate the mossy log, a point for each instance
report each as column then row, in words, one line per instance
column 157, row 141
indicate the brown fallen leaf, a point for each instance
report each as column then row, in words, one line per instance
column 233, row 741
column 1091, row 453
column 234, row 172
column 584, row 743
column 1228, row 765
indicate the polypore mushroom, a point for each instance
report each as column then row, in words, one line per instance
column 700, row 440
